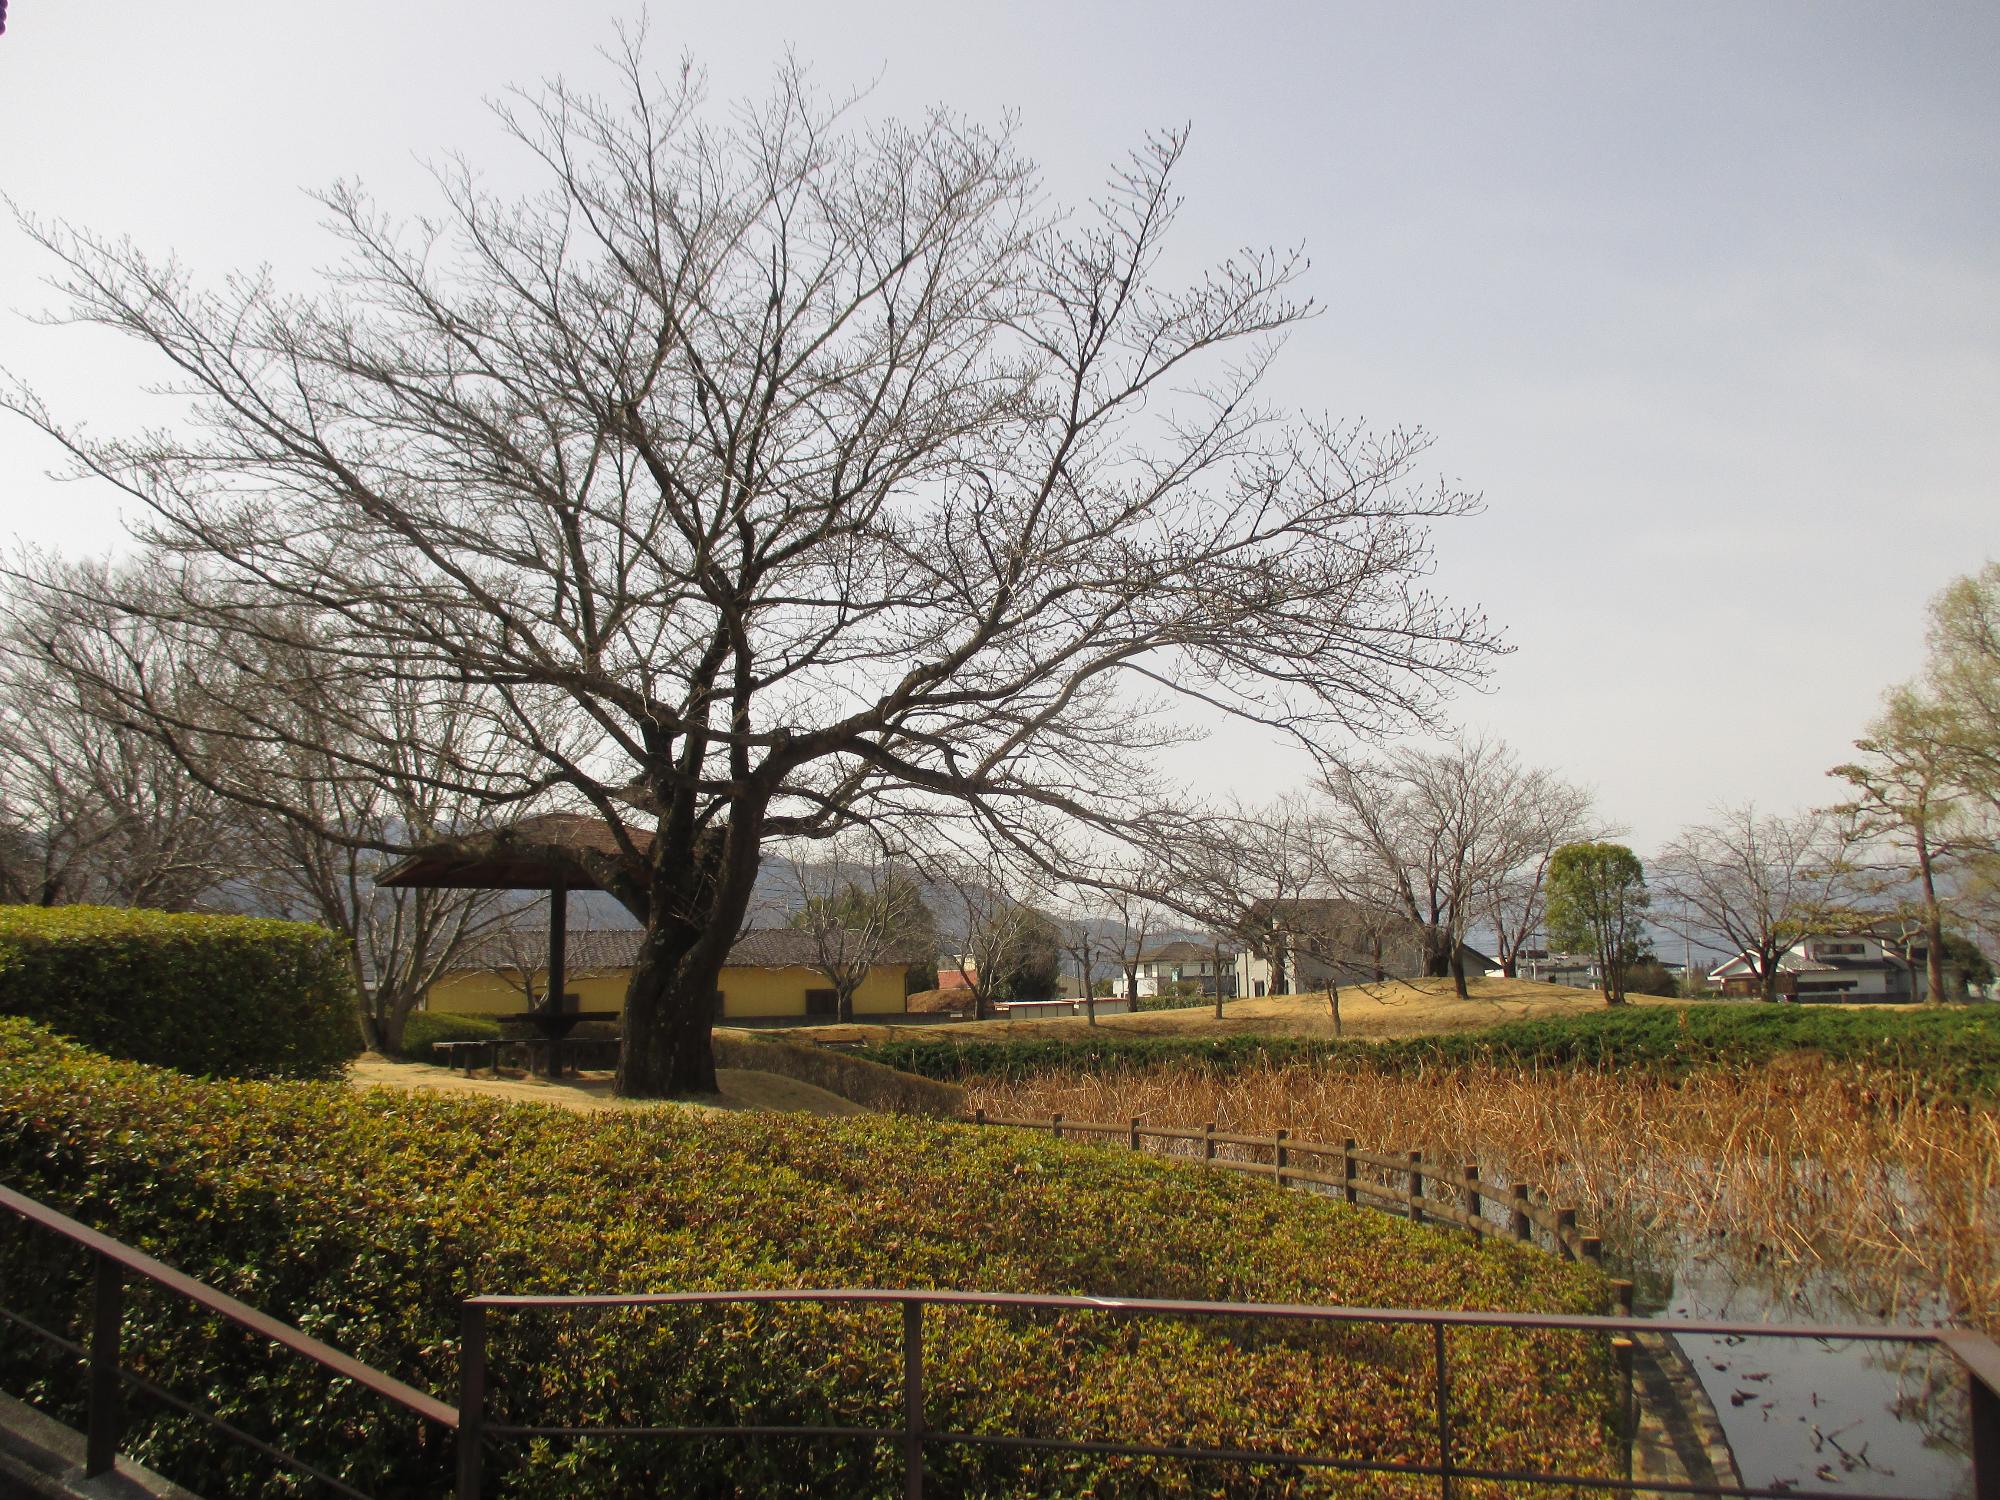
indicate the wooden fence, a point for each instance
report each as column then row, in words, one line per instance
column 1406, row 1184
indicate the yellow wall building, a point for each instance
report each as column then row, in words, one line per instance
column 767, row 977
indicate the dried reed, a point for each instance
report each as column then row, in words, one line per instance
column 1799, row 1174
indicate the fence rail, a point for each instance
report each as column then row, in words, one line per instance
column 1427, row 1191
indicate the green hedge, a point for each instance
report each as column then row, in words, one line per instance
column 237, row 997
column 423, row 1027
column 1942, row 1051
column 364, row 1216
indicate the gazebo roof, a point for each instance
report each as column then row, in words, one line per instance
column 515, row 857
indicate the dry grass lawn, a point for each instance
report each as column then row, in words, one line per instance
column 1416, row 1007
column 590, row 1092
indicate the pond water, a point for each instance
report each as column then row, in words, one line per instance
column 1858, row 1418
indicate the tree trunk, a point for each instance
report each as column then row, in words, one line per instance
column 695, row 902
column 1509, row 967
column 669, row 1015
column 1333, row 1002
column 1933, row 917
column 1458, row 972
column 1437, row 954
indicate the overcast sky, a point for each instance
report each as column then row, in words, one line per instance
column 1703, row 299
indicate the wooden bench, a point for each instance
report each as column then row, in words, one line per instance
column 467, row 1054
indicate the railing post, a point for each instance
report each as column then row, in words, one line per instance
column 1628, row 1426
column 1279, row 1156
column 1592, row 1249
column 1622, row 1292
column 1208, row 1141
column 107, row 1325
column 1565, row 1233
column 1416, row 1192
column 1522, row 1227
column 913, row 1399
column 1055, row 1124
column 1985, row 1435
column 1348, row 1168
column 1443, row 1413
column 471, row 1398
column 1471, row 1175
column 1135, row 1133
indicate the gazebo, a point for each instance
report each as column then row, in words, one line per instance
column 540, row 853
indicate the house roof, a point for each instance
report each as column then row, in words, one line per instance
column 531, row 854
column 1794, row 960
column 618, row 948
column 1180, row 952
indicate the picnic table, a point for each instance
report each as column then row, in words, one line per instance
column 553, row 1026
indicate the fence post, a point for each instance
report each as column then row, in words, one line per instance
column 1279, row 1156
column 1443, row 1414
column 1055, row 1124
column 1981, row 1361
column 1628, row 1426
column 1471, row 1174
column 1622, row 1293
column 471, row 1398
column 107, row 1326
column 913, row 1399
column 1592, row 1249
column 1565, row 1232
column 1522, row 1227
column 1348, row 1168
column 979, row 1116
column 1208, row 1141
column 1416, row 1192
column 1135, row 1132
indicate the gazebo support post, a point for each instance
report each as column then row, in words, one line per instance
column 558, row 981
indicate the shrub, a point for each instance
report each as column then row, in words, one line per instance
column 237, row 997
column 424, row 1027
column 364, row 1216
column 1945, row 1053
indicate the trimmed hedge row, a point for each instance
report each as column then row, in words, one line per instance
column 364, row 1216
column 238, row 997
column 421, row 1028
column 1944, row 1052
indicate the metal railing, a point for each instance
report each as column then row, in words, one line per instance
column 112, row 1262
column 474, row 1428
column 914, row 1435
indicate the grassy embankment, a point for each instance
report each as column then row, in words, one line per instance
column 364, row 1215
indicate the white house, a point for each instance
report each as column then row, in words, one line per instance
column 1159, row 970
column 1839, row 967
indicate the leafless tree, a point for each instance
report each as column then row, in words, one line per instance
column 1133, row 918
column 1755, row 883
column 764, row 475
column 1083, row 944
column 1545, row 812
column 1433, row 831
column 991, row 922
column 860, row 912
column 95, row 809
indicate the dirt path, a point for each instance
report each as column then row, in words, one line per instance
column 591, row 1092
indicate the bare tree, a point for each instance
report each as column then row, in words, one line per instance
column 96, row 809
column 765, row 475
column 1433, row 831
column 1546, row 812
column 1083, row 944
column 860, row 912
column 1755, row 884
column 1133, row 918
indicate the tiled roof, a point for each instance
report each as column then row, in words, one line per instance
column 618, row 948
